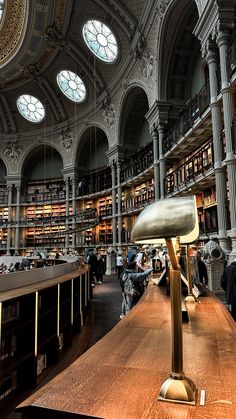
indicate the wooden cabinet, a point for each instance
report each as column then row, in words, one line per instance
column 38, row 328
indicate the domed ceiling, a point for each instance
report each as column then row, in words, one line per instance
column 40, row 38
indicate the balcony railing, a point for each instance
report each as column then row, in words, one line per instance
column 193, row 109
column 139, row 163
column 231, row 59
column 96, row 181
column 195, row 165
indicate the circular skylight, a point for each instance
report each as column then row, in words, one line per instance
column 100, row 40
column 71, row 85
column 30, row 108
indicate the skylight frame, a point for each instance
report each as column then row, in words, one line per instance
column 31, row 108
column 101, row 41
column 76, row 91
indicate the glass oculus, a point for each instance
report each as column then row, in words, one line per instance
column 71, row 85
column 30, row 108
column 100, row 40
column 2, row 5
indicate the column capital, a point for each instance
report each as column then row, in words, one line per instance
column 223, row 37
column 210, row 51
column 118, row 152
column 154, row 132
column 216, row 16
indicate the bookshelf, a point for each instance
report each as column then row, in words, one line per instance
column 144, row 194
column 38, row 328
column 46, row 191
column 104, row 232
column 3, row 195
column 209, row 197
column 105, row 206
column 3, row 215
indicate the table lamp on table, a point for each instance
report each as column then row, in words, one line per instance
column 167, row 219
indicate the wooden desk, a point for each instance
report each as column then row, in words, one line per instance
column 120, row 376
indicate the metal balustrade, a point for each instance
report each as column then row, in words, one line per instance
column 231, row 59
column 187, row 117
column 195, row 165
column 140, row 161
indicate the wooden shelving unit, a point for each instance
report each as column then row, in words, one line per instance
column 3, row 215
column 38, row 328
column 47, row 191
column 104, row 206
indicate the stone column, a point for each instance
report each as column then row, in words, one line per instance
column 67, row 214
column 228, row 112
column 154, row 134
column 220, row 176
column 9, row 224
column 73, row 246
column 17, row 231
column 161, row 132
column 119, row 206
column 114, row 227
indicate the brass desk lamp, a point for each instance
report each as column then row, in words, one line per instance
column 168, row 218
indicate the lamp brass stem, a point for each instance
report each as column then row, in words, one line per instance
column 176, row 388
column 176, row 322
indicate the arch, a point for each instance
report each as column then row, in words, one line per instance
column 93, row 143
column 42, row 162
column 3, row 171
column 133, row 128
column 4, row 167
column 178, row 51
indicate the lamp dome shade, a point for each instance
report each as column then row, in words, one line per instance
column 167, row 218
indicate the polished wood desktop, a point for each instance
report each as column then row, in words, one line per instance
column 121, row 375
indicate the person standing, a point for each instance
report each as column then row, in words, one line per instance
column 100, row 263
column 139, row 259
column 134, row 285
column 119, row 264
column 228, row 283
column 93, row 268
column 202, row 270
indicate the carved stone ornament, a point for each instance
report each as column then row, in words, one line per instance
column 148, row 62
column 163, row 5
column 140, row 47
column 109, row 115
column 212, row 251
column 53, row 36
column 200, row 5
column 13, row 150
column 13, row 29
column 66, row 140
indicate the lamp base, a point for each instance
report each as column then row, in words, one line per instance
column 178, row 391
column 190, row 299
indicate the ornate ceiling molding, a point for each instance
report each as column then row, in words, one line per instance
column 121, row 14
column 217, row 16
column 13, row 29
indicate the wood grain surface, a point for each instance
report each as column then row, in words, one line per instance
column 121, row 375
